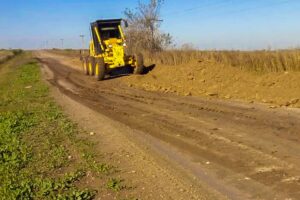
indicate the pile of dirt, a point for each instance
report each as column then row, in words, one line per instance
column 219, row 81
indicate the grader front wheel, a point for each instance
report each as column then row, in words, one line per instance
column 139, row 64
column 100, row 69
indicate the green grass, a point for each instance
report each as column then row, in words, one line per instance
column 38, row 143
column 115, row 184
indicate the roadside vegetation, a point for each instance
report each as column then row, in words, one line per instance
column 6, row 55
column 254, row 61
column 42, row 155
column 144, row 33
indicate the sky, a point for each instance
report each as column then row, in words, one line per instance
column 206, row 24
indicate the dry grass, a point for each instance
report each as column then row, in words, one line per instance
column 68, row 52
column 255, row 61
column 5, row 55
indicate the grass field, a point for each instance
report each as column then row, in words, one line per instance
column 41, row 153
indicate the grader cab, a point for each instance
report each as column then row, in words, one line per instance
column 107, row 50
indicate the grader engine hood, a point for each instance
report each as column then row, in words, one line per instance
column 115, row 51
column 118, row 54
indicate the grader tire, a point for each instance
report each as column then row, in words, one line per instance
column 100, row 69
column 84, row 61
column 91, row 66
column 139, row 64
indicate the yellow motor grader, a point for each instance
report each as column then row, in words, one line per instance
column 107, row 50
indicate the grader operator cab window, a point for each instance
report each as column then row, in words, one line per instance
column 110, row 32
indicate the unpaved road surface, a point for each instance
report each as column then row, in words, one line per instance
column 223, row 149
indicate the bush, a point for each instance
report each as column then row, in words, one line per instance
column 144, row 32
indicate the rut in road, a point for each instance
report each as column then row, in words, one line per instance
column 252, row 148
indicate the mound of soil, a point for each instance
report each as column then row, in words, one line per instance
column 216, row 80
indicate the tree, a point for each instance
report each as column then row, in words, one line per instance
column 144, row 23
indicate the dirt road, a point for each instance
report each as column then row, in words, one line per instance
column 207, row 149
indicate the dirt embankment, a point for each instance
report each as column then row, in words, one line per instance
column 214, row 80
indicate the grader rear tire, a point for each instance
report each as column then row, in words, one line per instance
column 139, row 64
column 84, row 61
column 91, row 66
column 100, row 69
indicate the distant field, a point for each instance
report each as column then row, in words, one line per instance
column 256, row 61
column 67, row 52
